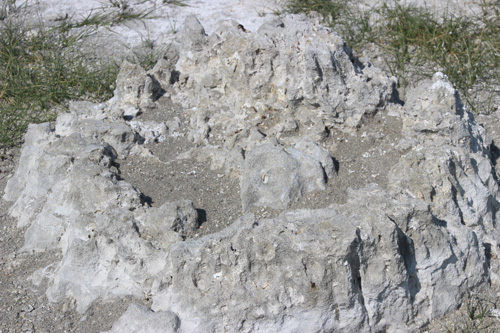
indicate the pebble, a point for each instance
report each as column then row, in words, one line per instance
column 27, row 327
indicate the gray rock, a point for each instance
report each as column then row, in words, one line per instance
column 119, row 135
column 283, row 79
column 157, row 224
column 135, row 91
column 164, row 71
column 262, row 106
column 449, row 165
column 273, row 177
column 28, row 203
column 356, row 267
column 270, row 178
column 70, row 197
column 150, row 131
column 139, row 319
column 322, row 155
column 193, row 34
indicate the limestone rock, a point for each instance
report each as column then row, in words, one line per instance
column 449, row 165
column 357, row 267
column 193, row 35
column 156, row 224
column 119, row 135
column 71, row 198
column 139, row 319
column 263, row 107
column 274, row 177
column 289, row 79
column 150, row 131
column 135, row 91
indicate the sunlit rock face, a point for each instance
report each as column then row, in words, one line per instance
column 270, row 108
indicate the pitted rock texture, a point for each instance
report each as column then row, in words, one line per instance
column 262, row 181
column 140, row 319
column 353, row 267
column 275, row 177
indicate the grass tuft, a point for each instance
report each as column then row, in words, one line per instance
column 176, row 3
column 148, row 55
column 476, row 316
column 119, row 12
column 330, row 10
column 416, row 42
column 40, row 70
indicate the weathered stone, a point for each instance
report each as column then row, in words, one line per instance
column 356, row 267
column 262, row 107
column 120, row 136
column 150, row 131
column 157, row 223
column 449, row 165
column 135, row 91
column 273, row 177
column 194, row 36
column 75, row 201
column 140, row 319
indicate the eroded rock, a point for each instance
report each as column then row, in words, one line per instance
column 274, row 177
column 140, row 319
column 356, row 267
column 261, row 107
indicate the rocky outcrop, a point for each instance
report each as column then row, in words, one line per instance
column 353, row 267
column 271, row 109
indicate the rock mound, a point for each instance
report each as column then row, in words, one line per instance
column 356, row 212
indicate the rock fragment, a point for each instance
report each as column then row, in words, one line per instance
column 274, row 177
column 140, row 319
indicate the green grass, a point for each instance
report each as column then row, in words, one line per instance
column 331, row 11
column 5, row 7
column 42, row 69
column 416, row 42
column 39, row 71
column 176, row 3
column 475, row 316
column 115, row 13
column 148, row 55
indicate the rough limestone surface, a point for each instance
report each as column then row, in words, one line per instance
column 352, row 267
column 275, row 177
column 274, row 109
column 140, row 319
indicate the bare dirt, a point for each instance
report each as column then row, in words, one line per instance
column 167, row 177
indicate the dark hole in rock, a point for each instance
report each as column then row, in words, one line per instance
column 495, row 153
column 174, row 77
column 202, row 216
column 146, row 200
column 487, row 253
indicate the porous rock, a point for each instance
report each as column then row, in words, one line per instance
column 356, row 267
column 274, row 177
column 262, row 105
column 288, row 77
column 449, row 164
column 135, row 91
column 140, row 319
column 69, row 194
